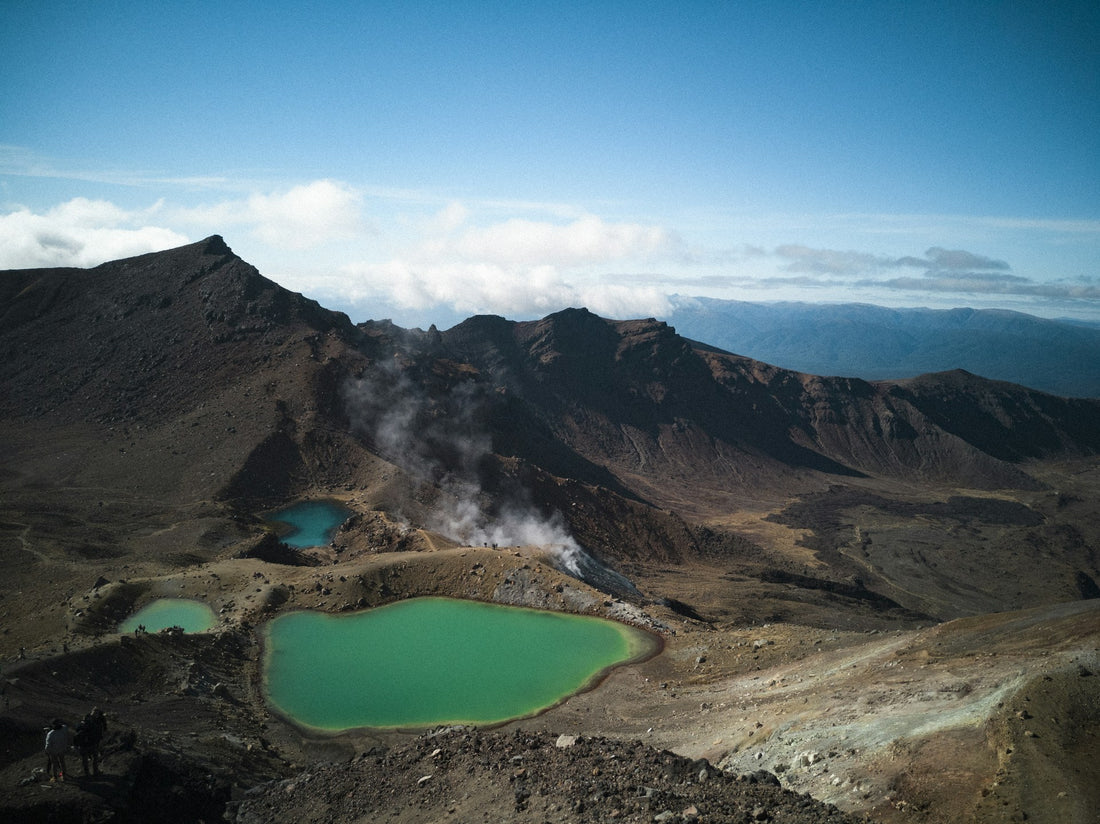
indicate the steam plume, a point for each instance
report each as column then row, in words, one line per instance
column 441, row 437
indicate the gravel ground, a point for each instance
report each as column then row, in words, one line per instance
column 462, row 775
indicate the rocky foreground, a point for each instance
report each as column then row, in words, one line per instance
column 454, row 775
column 466, row 776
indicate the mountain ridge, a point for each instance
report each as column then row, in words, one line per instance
column 878, row 343
column 147, row 325
column 644, row 391
column 632, row 396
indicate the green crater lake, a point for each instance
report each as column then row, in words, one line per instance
column 309, row 523
column 193, row 616
column 428, row 661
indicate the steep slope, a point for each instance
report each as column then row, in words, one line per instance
column 629, row 405
column 908, row 494
column 1002, row 419
column 668, row 416
column 143, row 337
column 148, row 407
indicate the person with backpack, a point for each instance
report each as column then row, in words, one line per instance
column 89, row 736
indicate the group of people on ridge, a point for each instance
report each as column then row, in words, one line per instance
column 86, row 738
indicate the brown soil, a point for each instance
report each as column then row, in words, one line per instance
column 967, row 720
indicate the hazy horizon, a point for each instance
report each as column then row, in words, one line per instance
column 434, row 161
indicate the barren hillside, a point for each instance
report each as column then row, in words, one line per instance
column 855, row 582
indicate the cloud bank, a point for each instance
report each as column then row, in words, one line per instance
column 946, row 272
column 82, row 233
column 517, row 259
column 836, row 262
column 302, row 217
column 520, row 267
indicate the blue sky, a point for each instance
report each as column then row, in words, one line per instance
column 427, row 161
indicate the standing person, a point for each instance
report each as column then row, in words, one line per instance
column 82, row 741
column 89, row 736
column 58, row 741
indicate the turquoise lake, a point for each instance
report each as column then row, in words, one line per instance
column 428, row 661
column 309, row 523
column 193, row 616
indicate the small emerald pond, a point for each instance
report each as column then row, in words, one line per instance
column 309, row 523
column 428, row 661
column 193, row 616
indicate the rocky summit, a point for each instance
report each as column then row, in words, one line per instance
column 875, row 600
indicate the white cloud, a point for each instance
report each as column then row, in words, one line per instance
column 80, row 232
column 299, row 218
column 516, row 267
column 83, row 232
column 586, row 240
column 486, row 288
column 451, row 217
column 522, row 259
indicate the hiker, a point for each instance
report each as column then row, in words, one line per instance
column 89, row 736
column 58, row 741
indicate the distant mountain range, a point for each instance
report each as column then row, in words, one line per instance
column 875, row 343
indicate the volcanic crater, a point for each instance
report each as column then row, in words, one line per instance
column 877, row 600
